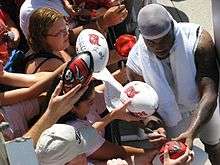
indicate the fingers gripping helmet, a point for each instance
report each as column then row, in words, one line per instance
column 144, row 99
column 93, row 41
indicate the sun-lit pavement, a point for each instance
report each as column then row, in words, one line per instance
column 197, row 11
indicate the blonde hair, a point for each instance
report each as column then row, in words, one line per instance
column 40, row 22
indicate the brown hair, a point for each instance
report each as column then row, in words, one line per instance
column 88, row 93
column 40, row 22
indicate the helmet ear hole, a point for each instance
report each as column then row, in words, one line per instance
column 94, row 42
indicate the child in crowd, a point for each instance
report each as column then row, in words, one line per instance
column 64, row 144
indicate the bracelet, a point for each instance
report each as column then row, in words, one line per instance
column 132, row 160
column 122, row 63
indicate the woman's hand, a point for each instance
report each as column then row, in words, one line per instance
column 122, row 113
column 59, row 105
column 113, row 16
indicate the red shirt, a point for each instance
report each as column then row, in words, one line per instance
column 3, row 45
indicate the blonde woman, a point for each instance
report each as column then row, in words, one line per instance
column 48, row 34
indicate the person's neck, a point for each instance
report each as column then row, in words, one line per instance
column 57, row 53
column 81, row 117
column 78, row 115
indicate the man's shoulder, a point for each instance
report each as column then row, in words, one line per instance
column 188, row 25
column 205, row 57
column 133, row 52
column 189, row 28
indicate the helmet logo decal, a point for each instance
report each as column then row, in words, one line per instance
column 130, row 91
column 78, row 136
column 94, row 39
column 69, row 75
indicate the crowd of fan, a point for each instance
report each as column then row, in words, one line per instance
column 67, row 127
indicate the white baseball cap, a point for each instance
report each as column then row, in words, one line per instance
column 61, row 143
column 93, row 41
column 154, row 21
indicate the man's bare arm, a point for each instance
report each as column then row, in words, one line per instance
column 132, row 76
column 207, row 80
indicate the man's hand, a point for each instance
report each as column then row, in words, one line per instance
column 185, row 159
column 158, row 137
column 186, row 138
column 60, row 105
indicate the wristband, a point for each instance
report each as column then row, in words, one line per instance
column 132, row 160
